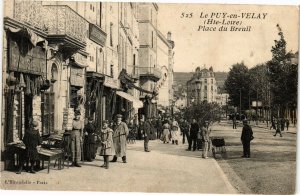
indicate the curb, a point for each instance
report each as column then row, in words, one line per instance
column 225, row 178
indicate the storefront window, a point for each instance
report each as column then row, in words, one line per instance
column 47, row 112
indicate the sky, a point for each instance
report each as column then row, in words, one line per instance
column 219, row 49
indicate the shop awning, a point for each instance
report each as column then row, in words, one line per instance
column 33, row 37
column 136, row 103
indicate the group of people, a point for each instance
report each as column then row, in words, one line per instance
column 279, row 124
column 113, row 140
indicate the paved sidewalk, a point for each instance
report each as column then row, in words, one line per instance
column 167, row 168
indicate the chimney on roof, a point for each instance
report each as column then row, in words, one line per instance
column 169, row 36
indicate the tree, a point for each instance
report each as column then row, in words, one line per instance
column 203, row 112
column 259, row 87
column 237, row 86
column 282, row 75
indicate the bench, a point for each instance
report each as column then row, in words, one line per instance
column 44, row 154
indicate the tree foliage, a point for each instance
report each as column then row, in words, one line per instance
column 203, row 112
column 237, row 86
column 259, row 85
column 282, row 75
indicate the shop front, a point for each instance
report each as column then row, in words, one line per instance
column 24, row 70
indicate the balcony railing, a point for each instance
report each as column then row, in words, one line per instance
column 59, row 20
column 151, row 72
column 29, row 12
column 64, row 21
column 133, row 71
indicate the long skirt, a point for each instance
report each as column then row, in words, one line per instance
column 175, row 135
column 165, row 135
column 89, row 151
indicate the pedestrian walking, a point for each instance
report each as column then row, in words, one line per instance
column 185, row 128
column 175, row 131
column 273, row 125
column 234, row 121
column 31, row 140
column 119, row 139
column 278, row 129
column 193, row 135
column 147, row 133
column 246, row 137
column 166, row 132
column 76, row 139
column 159, row 127
column 153, row 128
column 89, row 141
column 287, row 122
column 205, row 138
column 107, row 145
column 282, row 123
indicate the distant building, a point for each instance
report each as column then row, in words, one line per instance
column 202, row 86
column 222, row 99
column 181, row 101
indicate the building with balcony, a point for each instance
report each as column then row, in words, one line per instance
column 164, row 85
column 149, row 69
column 202, row 86
column 52, row 58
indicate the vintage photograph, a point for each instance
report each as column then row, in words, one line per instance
column 149, row 97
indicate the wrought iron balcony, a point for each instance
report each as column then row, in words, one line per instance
column 62, row 24
column 66, row 24
column 151, row 73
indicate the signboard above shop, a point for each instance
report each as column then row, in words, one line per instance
column 96, row 34
column 30, row 60
column 111, row 82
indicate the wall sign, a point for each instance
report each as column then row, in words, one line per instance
column 97, row 35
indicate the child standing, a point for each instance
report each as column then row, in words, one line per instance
column 31, row 139
column 107, row 146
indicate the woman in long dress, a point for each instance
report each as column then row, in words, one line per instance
column 175, row 133
column 166, row 132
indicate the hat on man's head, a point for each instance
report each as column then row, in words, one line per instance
column 90, row 119
column 119, row 116
column 245, row 121
column 34, row 124
column 105, row 122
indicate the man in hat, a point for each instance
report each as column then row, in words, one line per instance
column 89, row 140
column 120, row 139
column 146, row 128
column 76, row 137
column 246, row 137
column 205, row 131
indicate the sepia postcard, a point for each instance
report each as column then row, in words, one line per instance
column 149, row 97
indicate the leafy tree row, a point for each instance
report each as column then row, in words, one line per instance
column 274, row 83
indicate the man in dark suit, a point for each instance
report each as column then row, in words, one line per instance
column 193, row 135
column 246, row 137
column 147, row 128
